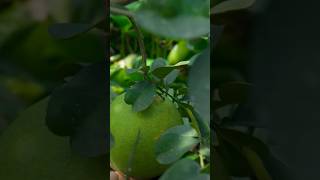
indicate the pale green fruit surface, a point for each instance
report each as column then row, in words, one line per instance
column 29, row 151
column 125, row 125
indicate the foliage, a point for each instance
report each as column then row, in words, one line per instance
column 237, row 152
column 154, row 31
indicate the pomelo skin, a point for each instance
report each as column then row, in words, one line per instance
column 29, row 151
column 125, row 125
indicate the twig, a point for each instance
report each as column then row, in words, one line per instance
column 173, row 98
column 139, row 36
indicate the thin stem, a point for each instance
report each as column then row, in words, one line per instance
column 173, row 98
column 139, row 36
column 201, row 160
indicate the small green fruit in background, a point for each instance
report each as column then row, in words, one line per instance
column 125, row 125
column 179, row 53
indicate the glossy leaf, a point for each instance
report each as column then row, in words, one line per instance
column 141, row 95
column 174, row 143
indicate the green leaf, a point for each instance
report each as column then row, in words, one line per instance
column 175, row 19
column 78, row 109
column 180, row 27
column 134, row 92
column 162, row 71
column 68, row 30
column 239, row 139
column 123, row 22
column 174, row 143
column 145, row 98
column 231, row 5
column 134, row 6
column 201, row 125
column 256, row 164
column 141, row 95
column 159, row 62
column 234, row 142
column 185, row 169
column 199, row 85
column 171, row 77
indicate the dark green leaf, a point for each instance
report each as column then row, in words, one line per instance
column 146, row 97
column 78, row 109
column 239, row 140
column 140, row 95
column 134, row 92
column 160, row 62
column 175, row 19
column 174, row 143
column 162, row 71
column 199, row 85
column 202, row 125
column 231, row 5
column 180, row 27
column 171, row 77
column 185, row 169
column 68, row 30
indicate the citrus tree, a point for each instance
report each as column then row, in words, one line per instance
column 160, row 89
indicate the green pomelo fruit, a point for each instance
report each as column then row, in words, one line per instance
column 125, row 125
column 29, row 151
column 178, row 53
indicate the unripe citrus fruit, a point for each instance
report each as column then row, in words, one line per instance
column 151, row 123
column 178, row 53
column 29, row 151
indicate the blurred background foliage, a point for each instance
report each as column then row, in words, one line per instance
column 32, row 63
